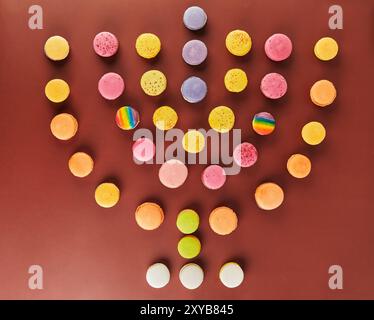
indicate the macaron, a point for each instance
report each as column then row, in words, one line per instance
column 231, row 275
column 269, row 196
column 173, row 173
column 235, row 80
column 81, row 164
column 107, row 195
column 221, row 119
column 56, row 48
column 299, row 166
column 191, row 276
column 278, row 47
column 189, row 247
column 188, row 221
column 193, row 141
column 245, row 155
column 194, row 18
column 105, row 44
column 273, row 86
column 57, row 90
column 165, row 118
column 143, row 149
column 238, row 42
column 194, row 89
column 158, row 275
column 127, row 118
column 213, row 177
column 194, row 52
column 149, row 216
column 111, row 86
column 223, row 220
column 326, row 49
column 148, row 45
column 64, row 126
column 263, row 123
column 313, row 133
column 153, row 82
column 323, row 93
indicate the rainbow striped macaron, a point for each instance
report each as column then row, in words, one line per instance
column 263, row 123
column 127, row 118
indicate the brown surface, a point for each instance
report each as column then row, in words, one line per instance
column 48, row 217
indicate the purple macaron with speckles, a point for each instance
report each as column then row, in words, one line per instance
column 194, row 52
column 194, row 89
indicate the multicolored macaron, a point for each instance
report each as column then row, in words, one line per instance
column 235, row 80
column 105, row 44
column 165, row 118
column 188, row 221
column 194, row 89
column 148, row 45
column 143, row 150
column 273, row 85
column 213, row 177
column 326, row 49
column 263, row 123
column 231, row 275
column 313, row 133
column 107, row 195
column 269, row 196
column 153, row 82
column 173, row 173
column 323, row 93
column 299, row 166
column 245, row 155
column 189, row 247
column 81, row 164
column 194, row 52
column 238, row 42
column 193, row 141
column 278, row 47
column 195, row 18
column 191, row 276
column 158, row 275
column 221, row 119
column 56, row 48
column 223, row 220
column 127, row 118
column 111, row 86
column 64, row 126
column 57, row 90
column 149, row 216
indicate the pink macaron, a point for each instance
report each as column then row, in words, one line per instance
column 278, row 47
column 213, row 177
column 173, row 173
column 105, row 44
column 245, row 155
column 111, row 85
column 273, row 85
column 143, row 149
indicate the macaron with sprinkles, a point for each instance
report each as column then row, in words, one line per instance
column 165, row 118
column 153, row 82
column 238, row 42
column 263, row 123
column 235, row 80
column 245, row 155
column 148, row 45
column 221, row 119
column 105, row 44
column 127, row 118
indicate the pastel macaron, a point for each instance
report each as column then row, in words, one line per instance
column 188, row 221
column 57, row 90
column 111, row 86
column 299, row 166
column 194, row 89
column 213, row 177
column 313, row 133
column 323, row 93
column 191, row 276
column 158, row 275
column 221, row 119
column 263, row 123
column 235, row 80
column 153, row 82
column 278, row 47
column 64, row 126
column 193, row 141
column 173, row 173
column 194, row 52
column 326, row 49
column 238, row 42
column 81, row 164
column 273, row 86
column 245, row 155
column 189, row 247
column 148, row 45
column 127, row 118
column 56, row 48
column 143, row 149
column 165, row 118
column 223, row 220
column 231, row 275
column 107, row 195
column 105, row 44
column 149, row 216
column 269, row 196
column 195, row 18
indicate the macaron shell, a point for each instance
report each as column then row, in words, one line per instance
column 299, row 166
column 107, row 195
column 326, row 49
column 273, row 86
column 245, row 155
column 153, row 82
column 64, row 126
column 193, row 141
column 269, row 196
column 278, row 47
column 111, row 86
column 148, row 45
column 189, row 247
column 149, row 216
column 194, row 52
column 127, row 118
column 194, row 89
column 105, row 44
column 213, row 177
column 231, row 275
column 81, row 164
column 313, row 133
column 221, row 119
column 173, row 173
column 223, row 220
column 263, row 123
column 165, row 118
column 56, row 48
column 143, row 149
column 323, row 93
column 57, row 90
column 158, row 275
column 188, row 221
column 235, row 80
column 191, row 276
column 238, row 42
column 194, row 18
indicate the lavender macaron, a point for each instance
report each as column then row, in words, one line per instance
column 194, row 89
column 195, row 18
column 194, row 52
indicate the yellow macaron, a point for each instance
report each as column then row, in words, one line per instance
column 313, row 133
column 57, row 90
column 153, row 82
column 56, row 48
column 193, row 141
column 221, row 119
column 326, row 49
column 148, row 45
column 107, row 195
column 238, row 42
column 236, row 80
column 165, row 118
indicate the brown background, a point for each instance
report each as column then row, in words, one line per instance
column 48, row 217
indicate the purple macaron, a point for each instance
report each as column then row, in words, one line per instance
column 194, row 89
column 194, row 52
column 194, row 18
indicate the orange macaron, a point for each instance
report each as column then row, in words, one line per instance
column 81, row 164
column 299, row 166
column 323, row 93
column 64, row 126
column 269, row 196
column 149, row 216
column 223, row 220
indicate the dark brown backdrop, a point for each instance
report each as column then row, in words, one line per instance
column 48, row 217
